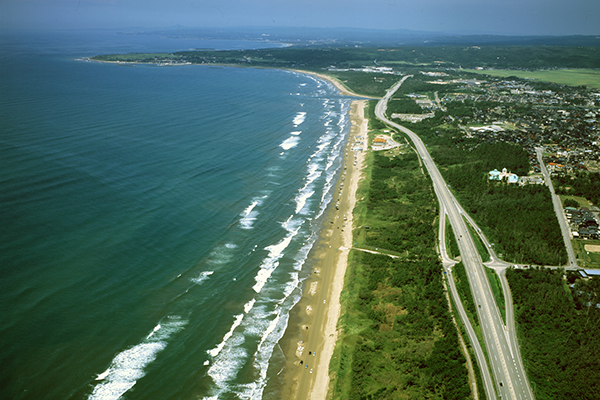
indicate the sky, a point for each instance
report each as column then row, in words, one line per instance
column 508, row 17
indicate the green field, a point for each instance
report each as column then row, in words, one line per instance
column 570, row 77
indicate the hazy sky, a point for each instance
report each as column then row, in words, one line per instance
column 530, row 17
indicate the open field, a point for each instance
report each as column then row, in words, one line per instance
column 594, row 248
column 571, row 77
column 587, row 250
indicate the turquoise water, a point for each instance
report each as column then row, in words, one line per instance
column 156, row 221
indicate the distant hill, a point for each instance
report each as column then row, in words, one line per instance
column 368, row 37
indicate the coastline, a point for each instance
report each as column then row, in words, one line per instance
column 311, row 335
column 310, row 338
column 335, row 82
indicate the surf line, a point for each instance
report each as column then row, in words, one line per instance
column 128, row 366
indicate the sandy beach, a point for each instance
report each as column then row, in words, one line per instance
column 311, row 336
column 338, row 85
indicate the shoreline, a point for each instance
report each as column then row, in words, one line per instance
column 335, row 82
column 311, row 335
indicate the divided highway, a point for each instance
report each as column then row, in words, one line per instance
column 505, row 363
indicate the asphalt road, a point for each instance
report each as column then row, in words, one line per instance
column 505, row 363
column 564, row 227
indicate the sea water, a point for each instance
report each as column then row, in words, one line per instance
column 155, row 221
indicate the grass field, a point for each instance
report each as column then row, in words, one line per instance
column 590, row 259
column 570, row 77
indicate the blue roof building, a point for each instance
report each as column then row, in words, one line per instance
column 494, row 175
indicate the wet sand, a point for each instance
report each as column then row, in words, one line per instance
column 311, row 335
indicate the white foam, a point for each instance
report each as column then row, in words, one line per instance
column 103, row 375
column 264, row 326
column 248, row 306
column 222, row 254
column 249, row 209
column 268, row 331
column 271, row 262
column 228, row 363
column 302, row 198
column 157, row 327
column 215, row 351
column 267, row 314
column 290, row 143
column 248, row 222
column 202, row 277
column 262, row 276
column 299, row 118
column 128, row 366
column 249, row 215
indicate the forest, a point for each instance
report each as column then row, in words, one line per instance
column 519, row 220
column 398, row 340
column 450, row 56
column 559, row 332
column 581, row 183
column 403, row 106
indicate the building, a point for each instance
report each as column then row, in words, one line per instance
column 496, row 175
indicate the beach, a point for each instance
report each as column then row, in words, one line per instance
column 310, row 339
column 335, row 82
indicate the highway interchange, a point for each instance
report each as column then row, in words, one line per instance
column 505, row 364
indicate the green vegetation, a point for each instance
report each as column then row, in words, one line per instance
column 466, row 297
column 409, row 59
column 138, row 57
column 459, row 274
column 589, row 259
column 520, row 221
column 451, row 243
column 403, row 106
column 570, row 77
column 559, row 332
column 496, row 286
column 372, row 84
column 477, row 370
column 570, row 203
column 398, row 339
column 581, row 183
column 481, row 248
column 398, row 203
column 374, row 122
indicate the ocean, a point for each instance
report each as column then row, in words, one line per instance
column 156, row 222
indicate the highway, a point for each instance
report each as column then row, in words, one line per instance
column 479, row 354
column 505, row 363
